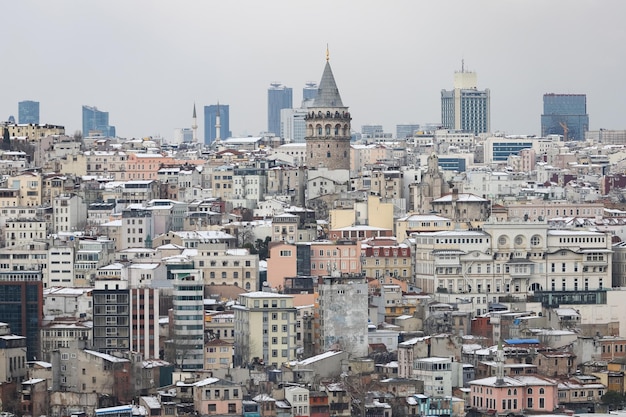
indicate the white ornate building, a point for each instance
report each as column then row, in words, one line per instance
column 512, row 258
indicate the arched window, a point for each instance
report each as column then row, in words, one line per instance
column 319, row 130
column 327, row 154
column 328, row 130
column 530, row 391
column 509, row 393
column 247, row 285
column 542, row 391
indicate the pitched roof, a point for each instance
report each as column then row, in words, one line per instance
column 327, row 92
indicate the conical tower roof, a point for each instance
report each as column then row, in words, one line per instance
column 327, row 92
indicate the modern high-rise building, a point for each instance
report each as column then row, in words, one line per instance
column 565, row 114
column 188, row 319
column 21, row 306
column 292, row 125
column 309, row 92
column 96, row 122
column 28, row 112
column 466, row 107
column 278, row 97
column 328, row 127
column 406, row 130
column 210, row 121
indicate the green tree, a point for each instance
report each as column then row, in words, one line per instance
column 613, row 399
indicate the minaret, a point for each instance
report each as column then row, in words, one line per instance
column 194, row 125
column 500, row 365
column 328, row 126
column 218, row 126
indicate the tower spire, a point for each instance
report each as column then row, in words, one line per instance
column 327, row 54
column 218, row 125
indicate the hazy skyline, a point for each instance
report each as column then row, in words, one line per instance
column 147, row 62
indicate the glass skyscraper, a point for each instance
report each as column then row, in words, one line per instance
column 309, row 92
column 565, row 113
column 278, row 97
column 21, row 306
column 210, row 117
column 28, row 112
column 96, row 122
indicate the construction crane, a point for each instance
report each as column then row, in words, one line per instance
column 565, row 130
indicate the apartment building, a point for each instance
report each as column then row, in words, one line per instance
column 265, row 328
column 383, row 257
column 222, row 266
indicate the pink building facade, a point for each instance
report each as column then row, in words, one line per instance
column 514, row 394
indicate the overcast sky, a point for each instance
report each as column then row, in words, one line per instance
column 147, row 61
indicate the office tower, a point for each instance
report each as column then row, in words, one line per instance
column 372, row 131
column 21, row 306
column 278, row 97
column 328, row 126
column 293, row 125
column 96, row 122
column 565, row 114
column 188, row 319
column 28, row 112
column 466, row 107
column 309, row 92
column 407, row 130
column 210, row 122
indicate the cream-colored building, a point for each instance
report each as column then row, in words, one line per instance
column 421, row 223
column 222, row 266
column 510, row 258
column 34, row 132
column 30, row 187
column 220, row 325
column 20, row 232
column 218, row 354
column 542, row 209
column 265, row 328
column 373, row 212
column 73, row 164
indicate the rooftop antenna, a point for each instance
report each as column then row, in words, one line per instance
column 462, row 65
column 327, row 53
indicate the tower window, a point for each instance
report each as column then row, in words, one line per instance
column 327, row 130
column 328, row 154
